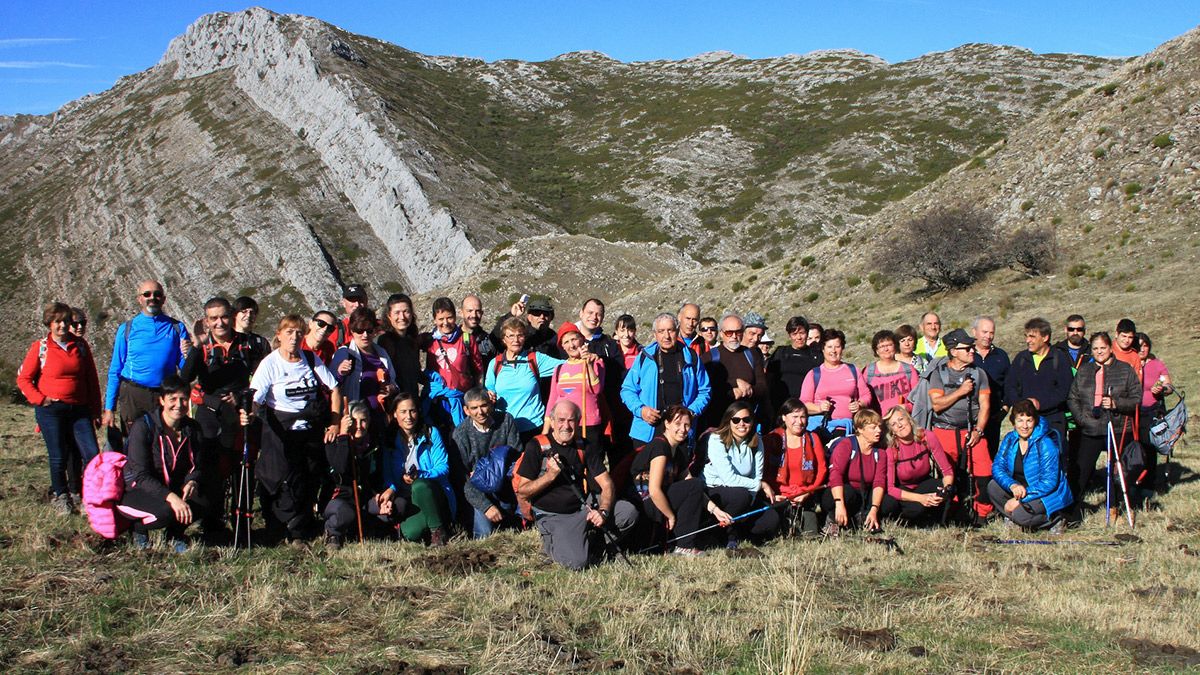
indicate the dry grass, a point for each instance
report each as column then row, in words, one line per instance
column 951, row 603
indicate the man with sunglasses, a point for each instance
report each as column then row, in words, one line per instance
column 540, row 337
column 708, row 331
column 735, row 372
column 317, row 340
column 146, row 349
column 1075, row 344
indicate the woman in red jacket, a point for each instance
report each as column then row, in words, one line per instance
column 795, row 464
column 58, row 377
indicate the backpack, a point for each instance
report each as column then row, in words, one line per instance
column 853, row 373
column 922, row 412
column 530, row 358
column 103, row 488
column 1167, row 429
column 524, row 508
column 492, row 468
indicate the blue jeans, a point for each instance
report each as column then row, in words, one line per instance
column 484, row 527
column 60, row 422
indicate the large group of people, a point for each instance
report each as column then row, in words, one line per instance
column 364, row 426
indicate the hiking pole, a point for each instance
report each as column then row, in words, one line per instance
column 610, row 537
column 1052, row 542
column 709, row 527
column 244, row 506
column 354, row 487
column 1108, row 442
column 1121, row 475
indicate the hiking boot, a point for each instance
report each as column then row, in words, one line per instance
column 141, row 541
column 1059, row 526
column 333, row 542
column 685, row 552
column 178, row 545
column 62, row 504
column 438, row 537
column 832, row 529
column 733, row 542
column 76, row 500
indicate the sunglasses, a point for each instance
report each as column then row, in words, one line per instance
column 538, row 312
column 1076, row 329
column 78, row 324
column 740, row 420
column 708, row 329
column 322, row 324
column 154, row 294
column 731, row 333
column 366, row 331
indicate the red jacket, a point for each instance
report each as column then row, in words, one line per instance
column 69, row 375
column 797, row 472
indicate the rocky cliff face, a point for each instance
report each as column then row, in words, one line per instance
column 280, row 156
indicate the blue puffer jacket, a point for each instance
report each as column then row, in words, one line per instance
column 1043, row 477
column 640, row 388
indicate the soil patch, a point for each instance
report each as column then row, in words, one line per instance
column 746, row 552
column 1149, row 653
column 877, row 640
column 98, row 657
column 237, row 657
column 458, row 562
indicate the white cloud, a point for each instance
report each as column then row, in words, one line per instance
column 8, row 43
column 27, row 65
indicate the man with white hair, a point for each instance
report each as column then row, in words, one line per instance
column 664, row 374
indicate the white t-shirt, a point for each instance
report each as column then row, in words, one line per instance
column 288, row 387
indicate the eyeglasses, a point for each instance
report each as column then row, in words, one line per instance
column 731, row 333
column 740, row 420
column 1076, row 329
column 154, row 294
column 322, row 324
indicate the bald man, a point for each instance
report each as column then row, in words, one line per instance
column 147, row 348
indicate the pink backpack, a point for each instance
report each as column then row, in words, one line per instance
column 103, row 488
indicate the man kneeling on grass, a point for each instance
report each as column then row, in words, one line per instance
column 554, row 475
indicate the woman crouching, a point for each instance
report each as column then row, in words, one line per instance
column 1028, row 486
column 417, row 498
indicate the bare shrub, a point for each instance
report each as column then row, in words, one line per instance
column 1032, row 251
column 947, row 248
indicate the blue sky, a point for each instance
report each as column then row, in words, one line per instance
column 54, row 51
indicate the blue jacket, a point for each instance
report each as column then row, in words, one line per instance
column 432, row 462
column 1043, row 477
column 640, row 388
column 148, row 354
column 738, row 466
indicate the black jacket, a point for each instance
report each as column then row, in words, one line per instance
column 1126, row 390
column 150, row 448
column 1050, row 384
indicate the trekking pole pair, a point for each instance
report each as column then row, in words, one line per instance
column 243, row 508
column 1114, row 456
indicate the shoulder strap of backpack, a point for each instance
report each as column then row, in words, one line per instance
column 716, row 354
column 872, row 371
column 531, row 356
column 749, row 358
column 497, row 364
column 128, row 326
column 311, row 359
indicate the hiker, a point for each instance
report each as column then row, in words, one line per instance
column 554, row 478
column 1042, row 375
column 689, row 322
column 297, row 423
column 814, row 334
column 1125, row 345
column 670, row 497
column 353, row 297
column 733, row 474
column 399, row 341
column 667, row 373
column 888, row 381
column 591, row 327
column 995, row 362
column 735, row 373
column 1077, row 348
column 625, row 333
column 766, row 343
column 146, row 349
column 856, row 493
column 472, row 316
column 906, row 345
column 1105, row 391
column 454, row 360
column 58, row 377
column 832, row 391
column 484, row 429
column 245, row 314
column 794, row 464
column 1156, row 384
column 539, row 317
column 708, row 331
column 417, row 496
column 350, row 458
column 960, row 398
column 929, row 344
column 372, row 377
column 317, row 339
column 1028, row 486
column 919, row 475
column 79, row 322
column 220, row 369
column 1075, row 344
column 790, row 363
column 754, row 326
column 164, row 472
column 512, row 378
column 580, row 380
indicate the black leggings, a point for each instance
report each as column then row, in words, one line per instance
column 1090, row 449
column 857, row 503
column 914, row 512
column 736, row 501
column 161, row 510
column 688, row 500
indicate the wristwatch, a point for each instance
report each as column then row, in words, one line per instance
column 604, row 513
